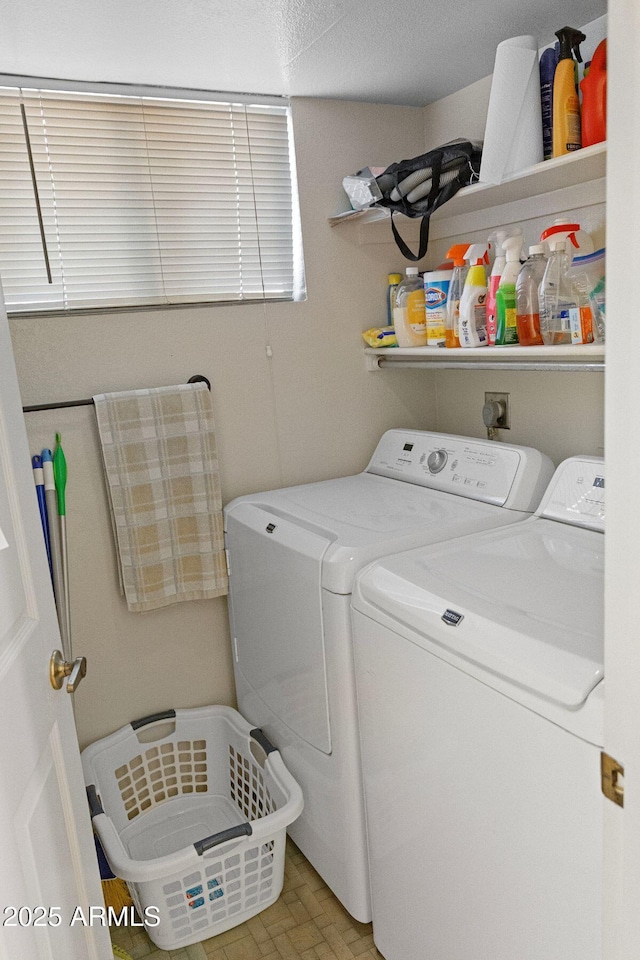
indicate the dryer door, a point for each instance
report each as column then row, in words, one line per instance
column 276, row 617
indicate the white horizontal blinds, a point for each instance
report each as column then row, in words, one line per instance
column 222, row 192
column 22, row 262
column 92, row 170
column 151, row 201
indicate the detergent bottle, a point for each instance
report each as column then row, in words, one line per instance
column 507, row 330
column 579, row 242
column 496, row 239
column 594, row 98
column 409, row 318
column 566, row 106
column 527, row 303
column 456, row 286
column 473, row 303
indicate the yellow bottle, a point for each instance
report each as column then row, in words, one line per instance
column 409, row 318
column 566, row 105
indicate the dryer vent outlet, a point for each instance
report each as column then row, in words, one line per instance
column 496, row 412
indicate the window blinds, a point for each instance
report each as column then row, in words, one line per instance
column 144, row 201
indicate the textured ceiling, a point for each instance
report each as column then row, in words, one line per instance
column 408, row 52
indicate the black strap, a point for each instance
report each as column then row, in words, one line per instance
column 424, row 240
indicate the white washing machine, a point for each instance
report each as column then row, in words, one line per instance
column 293, row 557
column 479, row 667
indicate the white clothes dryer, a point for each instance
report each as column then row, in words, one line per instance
column 479, row 673
column 293, row 555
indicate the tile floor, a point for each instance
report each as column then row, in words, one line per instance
column 306, row 923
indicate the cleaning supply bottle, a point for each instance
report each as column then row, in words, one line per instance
column 496, row 240
column 594, row 98
column 436, row 290
column 556, row 297
column 548, row 64
column 473, row 303
column 409, row 318
column 506, row 330
column 527, row 303
column 566, row 105
column 456, row 286
column 579, row 242
column 393, row 280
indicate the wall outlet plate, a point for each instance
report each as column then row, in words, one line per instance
column 504, row 423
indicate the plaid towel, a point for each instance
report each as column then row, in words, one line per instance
column 161, row 467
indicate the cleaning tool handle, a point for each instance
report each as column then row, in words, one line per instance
column 60, row 476
column 38, row 477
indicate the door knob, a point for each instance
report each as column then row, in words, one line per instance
column 59, row 669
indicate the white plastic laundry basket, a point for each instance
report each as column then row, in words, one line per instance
column 191, row 808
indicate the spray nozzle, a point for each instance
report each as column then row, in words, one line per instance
column 477, row 254
column 457, row 253
column 512, row 247
column 570, row 40
column 498, row 237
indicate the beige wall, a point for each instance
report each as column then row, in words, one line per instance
column 312, row 411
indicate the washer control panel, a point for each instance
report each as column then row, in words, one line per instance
column 477, row 469
column 576, row 493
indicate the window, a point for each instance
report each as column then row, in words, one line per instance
column 144, row 200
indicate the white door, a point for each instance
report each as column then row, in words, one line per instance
column 47, row 861
column 622, row 451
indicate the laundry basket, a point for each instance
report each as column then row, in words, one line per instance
column 191, row 808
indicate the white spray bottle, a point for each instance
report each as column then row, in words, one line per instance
column 496, row 239
column 473, row 303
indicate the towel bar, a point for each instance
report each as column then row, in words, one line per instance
column 196, row 378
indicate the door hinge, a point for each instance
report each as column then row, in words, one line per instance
column 611, row 770
column 226, row 557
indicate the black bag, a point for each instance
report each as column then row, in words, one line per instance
column 418, row 187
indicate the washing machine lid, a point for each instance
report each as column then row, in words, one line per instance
column 524, row 603
column 365, row 517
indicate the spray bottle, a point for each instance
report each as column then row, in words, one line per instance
column 507, row 331
column 473, row 303
column 456, row 286
column 497, row 239
column 566, row 106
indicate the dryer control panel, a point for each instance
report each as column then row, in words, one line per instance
column 576, row 493
column 478, row 469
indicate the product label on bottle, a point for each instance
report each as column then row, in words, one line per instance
column 574, row 137
column 435, row 301
column 415, row 312
column 510, row 327
column 581, row 323
column 492, row 319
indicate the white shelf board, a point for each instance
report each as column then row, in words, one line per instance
column 582, row 357
column 560, row 173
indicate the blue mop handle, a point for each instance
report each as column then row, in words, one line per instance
column 38, row 477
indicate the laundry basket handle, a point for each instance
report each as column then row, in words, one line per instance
column 264, row 741
column 242, row 830
column 153, row 718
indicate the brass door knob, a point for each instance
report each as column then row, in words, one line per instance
column 59, row 669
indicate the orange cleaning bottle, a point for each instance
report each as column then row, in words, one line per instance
column 594, row 98
column 456, row 286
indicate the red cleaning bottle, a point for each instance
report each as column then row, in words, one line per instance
column 594, row 98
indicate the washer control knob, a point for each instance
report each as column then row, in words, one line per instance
column 436, row 461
